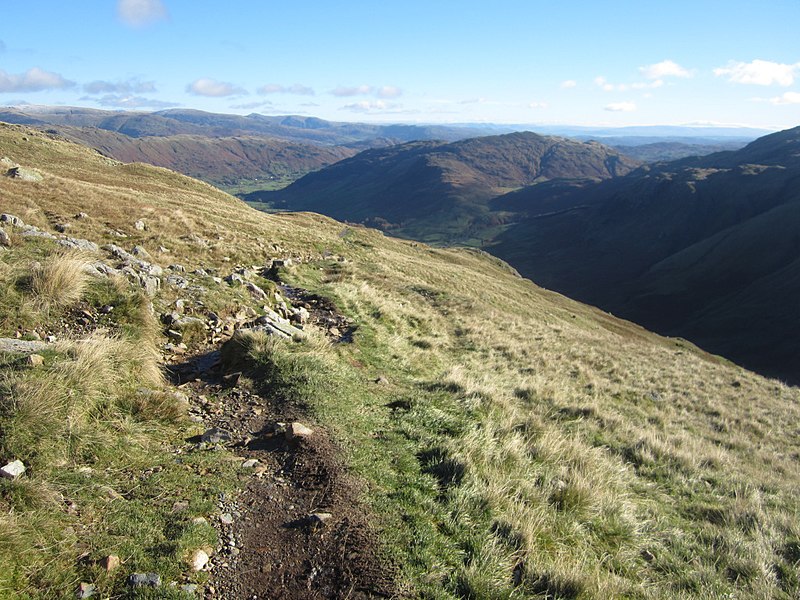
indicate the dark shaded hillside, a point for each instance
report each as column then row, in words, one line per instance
column 440, row 192
column 222, row 161
column 706, row 248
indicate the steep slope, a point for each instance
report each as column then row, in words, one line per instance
column 702, row 248
column 439, row 192
column 221, row 161
column 510, row 442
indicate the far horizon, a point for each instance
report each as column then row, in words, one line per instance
column 518, row 63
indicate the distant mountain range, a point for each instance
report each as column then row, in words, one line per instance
column 706, row 248
column 195, row 122
column 440, row 192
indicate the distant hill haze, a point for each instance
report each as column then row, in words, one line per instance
column 705, row 248
column 440, row 192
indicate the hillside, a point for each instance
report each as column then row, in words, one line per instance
column 440, row 192
column 351, row 415
column 174, row 121
column 706, row 248
column 228, row 162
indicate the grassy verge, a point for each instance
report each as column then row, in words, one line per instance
column 102, row 440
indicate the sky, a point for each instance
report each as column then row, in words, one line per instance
column 595, row 63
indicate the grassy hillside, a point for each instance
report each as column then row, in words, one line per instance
column 440, row 193
column 236, row 164
column 705, row 248
column 511, row 443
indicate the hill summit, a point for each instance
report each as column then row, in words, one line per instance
column 440, row 192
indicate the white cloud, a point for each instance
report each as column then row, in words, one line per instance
column 603, row 84
column 213, row 88
column 786, row 98
column 538, row 105
column 32, row 80
column 665, row 68
column 139, row 13
column 569, row 83
column 129, row 101
column 131, row 86
column 759, row 72
column 346, row 91
column 620, row 107
column 276, row 88
column 388, row 91
column 368, row 106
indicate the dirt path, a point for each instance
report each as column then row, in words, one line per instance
column 297, row 529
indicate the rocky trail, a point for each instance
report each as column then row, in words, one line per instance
column 297, row 529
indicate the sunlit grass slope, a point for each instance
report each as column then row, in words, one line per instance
column 513, row 443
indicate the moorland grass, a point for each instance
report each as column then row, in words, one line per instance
column 512, row 443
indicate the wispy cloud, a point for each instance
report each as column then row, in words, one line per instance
column 213, row 88
column 786, row 98
column 249, row 105
column 537, row 105
column 569, row 83
column 383, row 92
column 665, row 68
column 140, row 13
column 759, row 72
column 296, row 89
column 370, row 106
column 131, row 86
column 344, row 91
column 129, row 101
column 620, row 107
column 33, row 80
column 388, row 91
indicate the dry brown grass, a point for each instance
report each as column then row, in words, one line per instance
column 60, row 281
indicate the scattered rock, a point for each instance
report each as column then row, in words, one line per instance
column 12, row 470
column 62, row 227
column 35, row 360
column 234, row 279
column 141, row 252
column 226, row 519
column 110, row 563
column 21, row 346
column 189, row 588
column 319, row 518
column 11, row 220
column 198, row 560
column 85, row 590
column 23, row 174
column 249, row 464
column 215, row 435
column 78, row 244
column 298, row 431
column 140, row 225
column 137, row 580
column 5, row 239
column 231, row 379
column 255, row 291
column 382, row 380
column 81, row 215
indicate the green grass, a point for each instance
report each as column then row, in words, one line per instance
column 102, row 442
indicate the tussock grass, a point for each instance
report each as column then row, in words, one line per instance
column 60, row 281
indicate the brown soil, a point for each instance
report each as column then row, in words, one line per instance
column 271, row 545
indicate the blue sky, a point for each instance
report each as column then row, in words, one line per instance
column 505, row 61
